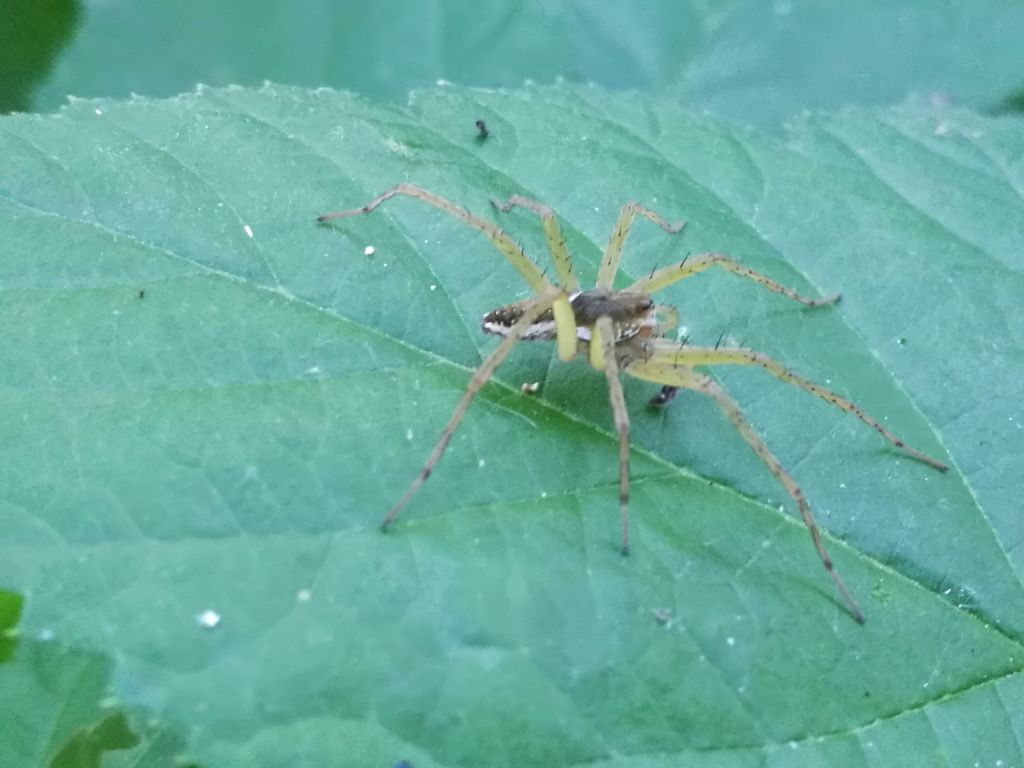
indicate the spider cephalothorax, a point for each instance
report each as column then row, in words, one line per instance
column 624, row 331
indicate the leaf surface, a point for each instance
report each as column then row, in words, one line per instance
column 203, row 429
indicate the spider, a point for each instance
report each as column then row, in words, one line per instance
column 623, row 331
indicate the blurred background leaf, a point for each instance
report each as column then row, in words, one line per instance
column 209, row 402
column 753, row 61
column 33, row 34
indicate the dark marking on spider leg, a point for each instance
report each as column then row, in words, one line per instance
column 765, row 282
column 624, row 505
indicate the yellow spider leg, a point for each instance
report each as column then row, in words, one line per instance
column 613, row 251
column 480, row 377
column 692, row 265
column 666, row 353
column 605, row 330
column 529, row 271
column 553, row 235
column 565, row 324
column 667, row 374
column 595, row 350
column 565, row 328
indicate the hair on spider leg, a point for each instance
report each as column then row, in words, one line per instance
column 720, row 337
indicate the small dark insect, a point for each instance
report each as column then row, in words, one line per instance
column 623, row 331
column 142, row 293
column 665, row 396
column 481, row 127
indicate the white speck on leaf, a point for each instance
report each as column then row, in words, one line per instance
column 782, row 7
column 369, row 250
column 248, row 231
column 397, row 147
column 303, row 595
column 208, row 619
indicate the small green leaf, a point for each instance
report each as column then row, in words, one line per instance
column 210, row 402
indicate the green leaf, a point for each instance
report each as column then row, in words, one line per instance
column 210, row 402
column 59, row 710
column 751, row 60
column 33, row 33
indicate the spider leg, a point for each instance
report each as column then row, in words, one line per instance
column 613, row 251
column 666, row 353
column 669, row 319
column 666, row 373
column 526, row 268
column 513, row 253
column 605, row 328
column 669, row 323
column 480, row 377
column 692, row 265
column 553, row 235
